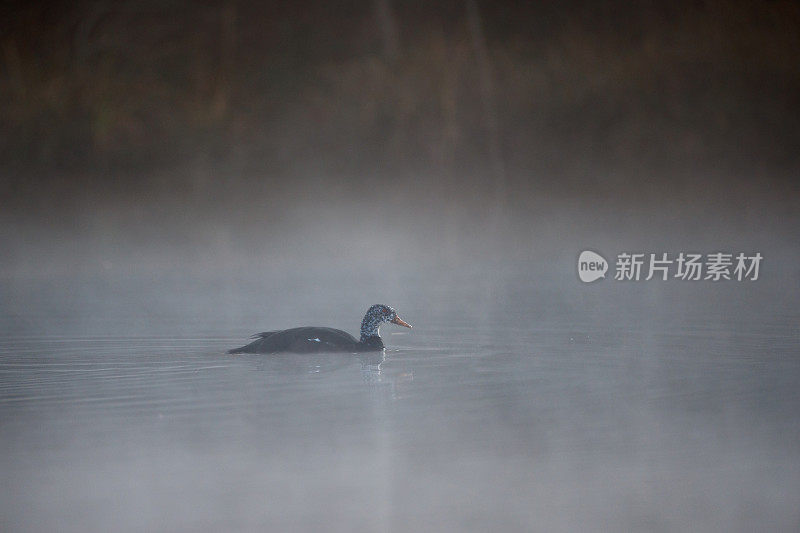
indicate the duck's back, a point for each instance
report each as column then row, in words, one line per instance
column 308, row 339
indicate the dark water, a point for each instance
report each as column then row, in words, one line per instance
column 513, row 409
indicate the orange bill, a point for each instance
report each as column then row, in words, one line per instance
column 400, row 322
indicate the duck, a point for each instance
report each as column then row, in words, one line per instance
column 314, row 339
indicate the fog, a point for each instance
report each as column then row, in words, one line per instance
column 178, row 177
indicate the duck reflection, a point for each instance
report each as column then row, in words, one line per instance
column 386, row 377
column 383, row 373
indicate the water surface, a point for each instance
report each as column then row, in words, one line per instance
column 580, row 416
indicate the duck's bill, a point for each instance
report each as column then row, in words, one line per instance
column 400, row 322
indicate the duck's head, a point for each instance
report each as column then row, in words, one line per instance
column 377, row 315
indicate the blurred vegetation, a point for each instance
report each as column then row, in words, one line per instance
column 292, row 89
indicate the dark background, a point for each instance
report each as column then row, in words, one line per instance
column 193, row 135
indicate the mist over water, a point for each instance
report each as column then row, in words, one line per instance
column 522, row 399
column 177, row 178
column 598, row 418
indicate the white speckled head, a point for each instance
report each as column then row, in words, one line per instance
column 377, row 315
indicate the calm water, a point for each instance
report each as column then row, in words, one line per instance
column 508, row 410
